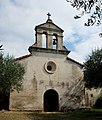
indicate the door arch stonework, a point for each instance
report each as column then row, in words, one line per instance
column 51, row 101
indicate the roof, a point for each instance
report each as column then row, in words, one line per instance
column 75, row 61
column 26, row 56
column 23, row 57
column 49, row 21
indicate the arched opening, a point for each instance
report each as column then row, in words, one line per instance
column 51, row 101
column 98, row 103
column 4, row 101
column 55, row 40
column 44, row 40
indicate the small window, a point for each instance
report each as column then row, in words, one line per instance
column 50, row 67
column 91, row 95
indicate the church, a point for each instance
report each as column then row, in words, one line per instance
column 52, row 81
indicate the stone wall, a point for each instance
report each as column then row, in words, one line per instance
column 66, row 80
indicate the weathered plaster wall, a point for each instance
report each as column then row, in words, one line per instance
column 65, row 80
column 91, row 95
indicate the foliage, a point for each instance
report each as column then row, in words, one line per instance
column 1, row 47
column 11, row 74
column 91, row 7
column 93, row 69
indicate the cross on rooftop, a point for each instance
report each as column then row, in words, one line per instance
column 49, row 15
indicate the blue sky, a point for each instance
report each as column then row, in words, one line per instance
column 19, row 17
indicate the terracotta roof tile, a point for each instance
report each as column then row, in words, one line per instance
column 23, row 57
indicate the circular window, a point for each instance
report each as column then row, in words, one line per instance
column 50, row 67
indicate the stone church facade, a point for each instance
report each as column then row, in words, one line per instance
column 52, row 80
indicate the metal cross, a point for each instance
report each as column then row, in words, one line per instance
column 49, row 15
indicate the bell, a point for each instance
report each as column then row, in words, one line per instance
column 54, row 42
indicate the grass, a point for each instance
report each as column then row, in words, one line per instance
column 75, row 115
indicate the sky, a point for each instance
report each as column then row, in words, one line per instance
column 18, row 19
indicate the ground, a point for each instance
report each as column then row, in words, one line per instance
column 71, row 115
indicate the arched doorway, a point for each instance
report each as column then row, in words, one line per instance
column 51, row 101
column 4, row 101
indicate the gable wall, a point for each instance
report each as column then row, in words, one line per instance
column 37, row 81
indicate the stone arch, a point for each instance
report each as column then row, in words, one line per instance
column 51, row 101
column 55, row 41
column 44, row 39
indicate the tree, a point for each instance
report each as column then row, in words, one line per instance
column 1, row 47
column 93, row 69
column 11, row 75
column 91, row 7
